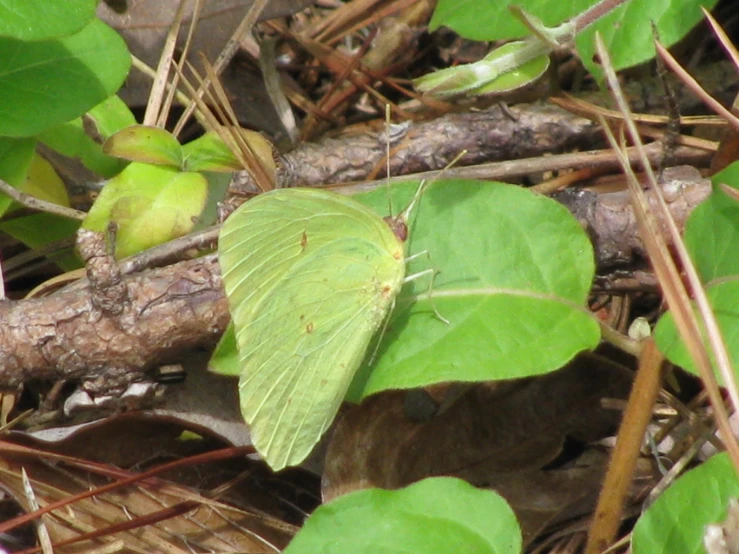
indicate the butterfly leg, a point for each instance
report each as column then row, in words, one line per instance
column 431, row 271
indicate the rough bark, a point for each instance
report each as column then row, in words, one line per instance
column 79, row 334
column 489, row 135
column 108, row 330
column 69, row 335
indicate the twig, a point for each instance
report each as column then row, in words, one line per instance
column 626, row 452
column 170, row 251
column 40, row 205
column 620, row 341
column 604, row 159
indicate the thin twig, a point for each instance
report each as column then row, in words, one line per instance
column 40, row 205
column 626, row 451
column 526, row 166
column 170, row 251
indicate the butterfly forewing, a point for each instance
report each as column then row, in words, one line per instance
column 310, row 277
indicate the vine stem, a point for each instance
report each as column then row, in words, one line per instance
column 591, row 15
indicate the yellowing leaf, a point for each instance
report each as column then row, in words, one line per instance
column 150, row 205
column 143, row 143
column 43, row 182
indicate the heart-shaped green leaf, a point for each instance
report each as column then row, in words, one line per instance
column 514, row 272
column 440, row 514
column 77, row 72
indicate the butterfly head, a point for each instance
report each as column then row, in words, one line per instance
column 398, row 226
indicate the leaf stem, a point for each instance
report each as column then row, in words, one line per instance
column 620, row 341
column 590, row 16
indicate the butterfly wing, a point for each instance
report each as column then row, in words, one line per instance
column 318, row 276
column 303, row 348
column 266, row 236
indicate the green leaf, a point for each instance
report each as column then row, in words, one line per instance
column 712, row 240
column 492, row 245
column 724, row 299
column 514, row 269
column 225, row 358
column 712, row 230
column 218, row 184
column 627, row 32
column 209, row 153
column 440, row 514
column 15, row 159
column 677, row 520
column 50, row 82
column 73, row 138
column 500, row 71
column 523, row 75
column 43, row 182
column 492, row 20
column 150, row 204
column 44, row 19
column 38, row 230
column 144, row 143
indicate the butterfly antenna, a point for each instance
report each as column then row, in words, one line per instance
column 387, row 159
column 406, row 212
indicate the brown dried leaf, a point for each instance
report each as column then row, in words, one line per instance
column 145, row 23
column 498, row 435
